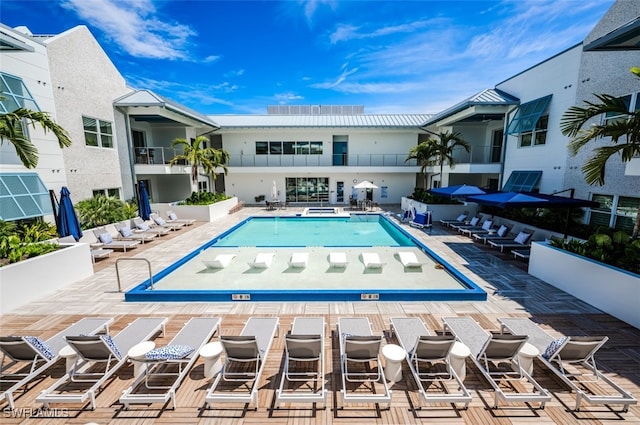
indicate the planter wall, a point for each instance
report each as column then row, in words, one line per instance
column 440, row 211
column 206, row 213
column 29, row 280
column 612, row 290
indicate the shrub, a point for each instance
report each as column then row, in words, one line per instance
column 101, row 210
column 204, row 198
column 24, row 240
column 422, row 195
column 615, row 248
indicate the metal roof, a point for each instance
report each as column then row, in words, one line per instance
column 149, row 98
column 360, row 120
column 484, row 98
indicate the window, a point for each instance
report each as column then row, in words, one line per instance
column 288, row 148
column 601, row 215
column 302, row 148
column 316, row 148
column 14, row 94
column 262, row 148
column 97, row 133
column 626, row 213
column 203, row 186
column 522, row 181
column 275, row 148
column 527, row 115
column 610, row 117
column 23, row 195
column 111, row 193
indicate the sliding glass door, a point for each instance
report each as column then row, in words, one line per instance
column 307, row 189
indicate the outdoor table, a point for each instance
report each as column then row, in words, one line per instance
column 393, row 355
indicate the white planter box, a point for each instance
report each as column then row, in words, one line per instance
column 440, row 211
column 207, row 213
column 612, row 290
column 35, row 278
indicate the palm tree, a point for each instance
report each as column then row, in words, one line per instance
column 11, row 129
column 196, row 155
column 624, row 133
column 438, row 150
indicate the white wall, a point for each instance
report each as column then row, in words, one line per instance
column 86, row 83
column 558, row 76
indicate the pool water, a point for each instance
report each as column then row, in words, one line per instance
column 189, row 280
column 357, row 230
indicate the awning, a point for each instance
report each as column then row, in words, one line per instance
column 522, row 181
column 23, row 195
column 527, row 115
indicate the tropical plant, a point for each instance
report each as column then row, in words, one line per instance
column 422, row 195
column 623, row 131
column 19, row 242
column 196, row 155
column 102, row 210
column 438, row 150
column 204, row 198
column 11, row 130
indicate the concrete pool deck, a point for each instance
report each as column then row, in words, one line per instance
column 511, row 293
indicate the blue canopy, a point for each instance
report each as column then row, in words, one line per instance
column 68, row 224
column 459, row 190
column 144, row 207
column 530, row 200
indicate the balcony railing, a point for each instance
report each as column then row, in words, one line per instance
column 478, row 155
column 150, row 155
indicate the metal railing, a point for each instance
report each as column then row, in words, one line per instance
column 133, row 259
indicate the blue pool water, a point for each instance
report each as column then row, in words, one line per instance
column 357, row 234
column 357, row 230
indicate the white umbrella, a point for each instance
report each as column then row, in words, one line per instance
column 274, row 191
column 365, row 185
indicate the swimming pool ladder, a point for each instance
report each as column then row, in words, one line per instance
column 133, row 259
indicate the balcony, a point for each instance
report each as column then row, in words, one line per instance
column 339, row 160
column 478, row 155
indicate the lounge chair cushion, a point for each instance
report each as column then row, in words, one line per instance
column 126, row 232
column 106, row 238
column 170, row 352
column 553, row 347
column 143, row 226
column 502, row 230
column 522, row 238
column 172, row 216
column 461, row 217
column 159, row 221
column 112, row 345
column 40, row 345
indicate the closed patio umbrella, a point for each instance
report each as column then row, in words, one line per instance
column 144, row 207
column 68, row 224
column 274, row 191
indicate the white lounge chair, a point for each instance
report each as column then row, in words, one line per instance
column 490, row 352
column 106, row 239
column 299, row 260
column 262, row 261
column 125, row 233
column 338, row 259
column 423, row 348
column 577, row 351
column 371, row 260
column 144, row 226
column 249, row 348
column 39, row 354
column 409, row 259
column 304, row 347
column 358, row 346
column 173, row 218
column 220, row 262
column 164, row 363
column 86, row 377
column 161, row 222
column 522, row 240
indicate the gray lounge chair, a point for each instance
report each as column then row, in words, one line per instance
column 422, row 348
column 94, row 350
column 250, row 348
column 501, row 233
column 358, row 346
column 126, row 233
column 304, row 347
column 491, row 353
column 574, row 350
column 473, row 223
column 460, row 220
column 161, row 222
column 106, row 240
column 28, row 350
column 173, row 218
column 521, row 241
column 151, row 386
column 470, row 230
column 149, row 227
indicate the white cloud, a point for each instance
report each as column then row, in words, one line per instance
column 136, row 27
column 287, row 97
column 211, row 58
column 347, row 32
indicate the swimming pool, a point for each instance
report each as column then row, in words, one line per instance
column 189, row 280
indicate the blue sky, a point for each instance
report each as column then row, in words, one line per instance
column 221, row 57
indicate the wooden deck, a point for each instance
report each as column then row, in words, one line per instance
column 511, row 293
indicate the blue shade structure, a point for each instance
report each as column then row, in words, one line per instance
column 68, row 224
column 144, row 207
column 457, row 191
